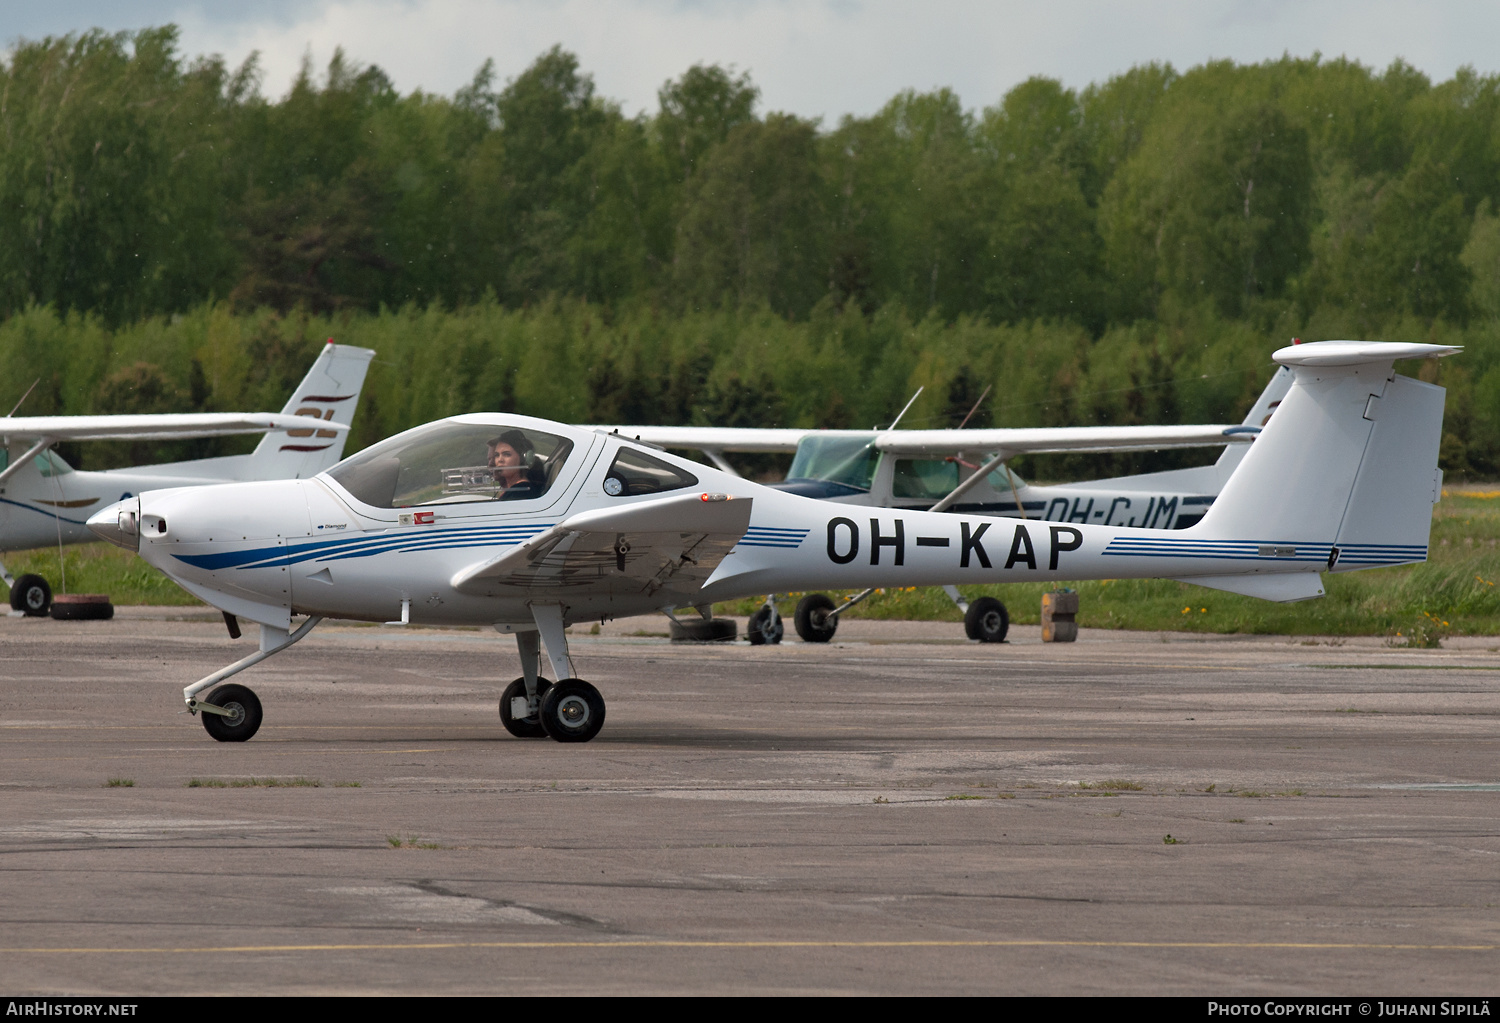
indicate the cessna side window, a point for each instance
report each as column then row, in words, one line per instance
column 635, row 472
column 454, row 463
column 924, row 478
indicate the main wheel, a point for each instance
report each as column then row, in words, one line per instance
column 31, row 594
column 814, row 624
column 572, row 711
column 244, row 715
column 522, row 728
column 765, row 626
column 987, row 620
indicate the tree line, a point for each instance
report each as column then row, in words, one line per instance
column 1128, row 252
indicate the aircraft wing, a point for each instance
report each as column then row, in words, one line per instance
column 1040, row 440
column 711, row 438
column 669, row 545
column 1048, row 439
column 149, row 427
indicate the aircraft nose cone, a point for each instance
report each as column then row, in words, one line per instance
column 119, row 524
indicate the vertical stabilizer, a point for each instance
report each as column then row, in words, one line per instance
column 1350, row 457
column 329, row 394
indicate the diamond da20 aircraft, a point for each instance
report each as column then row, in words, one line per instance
column 530, row 526
column 44, row 501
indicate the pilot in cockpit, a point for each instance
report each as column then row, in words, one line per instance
column 518, row 472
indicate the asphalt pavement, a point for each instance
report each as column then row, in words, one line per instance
column 900, row 811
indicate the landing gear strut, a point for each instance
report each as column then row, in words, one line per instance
column 569, row 710
column 765, row 626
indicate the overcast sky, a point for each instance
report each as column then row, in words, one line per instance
column 817, row 58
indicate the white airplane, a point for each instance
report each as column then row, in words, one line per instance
column 45, row 502
column 965, row 471
column 532, row 526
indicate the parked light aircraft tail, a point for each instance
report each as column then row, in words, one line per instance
column 45, row 502
column 531, row 526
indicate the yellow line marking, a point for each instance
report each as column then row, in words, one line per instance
column 1021, row 943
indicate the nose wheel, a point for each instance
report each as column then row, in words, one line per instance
column 231, row 713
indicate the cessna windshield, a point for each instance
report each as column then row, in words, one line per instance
column 836, row 458
column 848, row 462
column 453, row 463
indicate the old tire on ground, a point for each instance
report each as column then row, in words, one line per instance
column 244, row 719
column 765, row 626
column 572, row 711
column 812, row 620
column 987, row 620
column 82, row 607
column 717, row 630
column 31, row 595
column 523, row 728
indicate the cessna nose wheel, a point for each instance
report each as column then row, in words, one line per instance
column 572, row 711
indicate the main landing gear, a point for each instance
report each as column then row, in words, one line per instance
column 818, row 617
column 531, row 707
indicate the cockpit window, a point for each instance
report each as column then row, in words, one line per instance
column 924, row 478
column 48, row 463
column 635, row 472
column 454, row 463
column 837, row 459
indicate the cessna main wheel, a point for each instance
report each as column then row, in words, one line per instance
column 243, row 719
column 31, row 595
column 814, row 624
column 522, row 728
column 572, row 711
column 987, row 620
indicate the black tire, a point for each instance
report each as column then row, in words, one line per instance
column 523, row 728
column 96, row 609
column 765, row 626
column 240, row 726
column 812, row 621
column 987, row 620
column 696, row 630
column 572, row 711
column 31, row 595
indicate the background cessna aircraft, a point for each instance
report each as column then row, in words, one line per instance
column 45, row 502
column 965, row 471
column 589, row 526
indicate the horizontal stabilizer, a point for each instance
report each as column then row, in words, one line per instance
column 1359, row 353
column 1285, row 587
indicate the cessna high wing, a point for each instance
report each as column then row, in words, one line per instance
column 965, row 471
column 531, row 526
column 45, row 502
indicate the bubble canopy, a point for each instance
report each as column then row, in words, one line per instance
column 455, row 462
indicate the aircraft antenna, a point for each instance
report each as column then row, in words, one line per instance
column 909, row 404
column 25, row 396
column 978, row 403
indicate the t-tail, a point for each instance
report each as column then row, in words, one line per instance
column 1343, row 477
column 328, row 394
